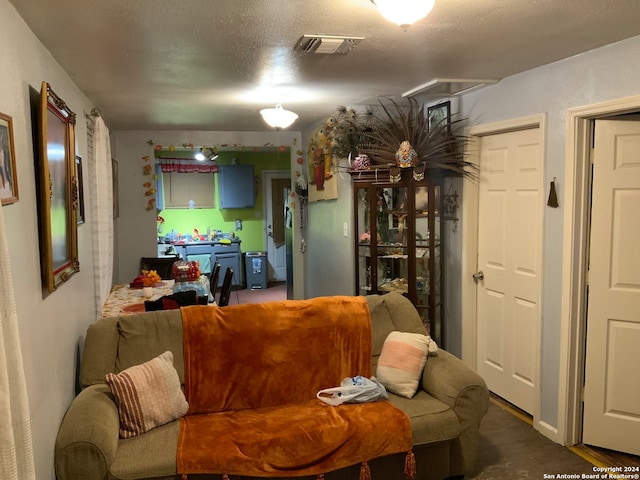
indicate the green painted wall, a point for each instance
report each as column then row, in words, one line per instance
column 252, row 234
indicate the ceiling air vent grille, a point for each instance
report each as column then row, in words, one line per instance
column 326, row 44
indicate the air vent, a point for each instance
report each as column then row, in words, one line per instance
column 326, row 44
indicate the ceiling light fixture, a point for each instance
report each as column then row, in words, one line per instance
column 278, row 117
column 200, row 156
column 206, row 153
column 404, row 12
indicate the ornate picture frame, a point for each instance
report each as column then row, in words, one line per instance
column 8, row 175
column 57, row 190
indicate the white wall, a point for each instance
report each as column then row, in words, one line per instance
column 50, row 328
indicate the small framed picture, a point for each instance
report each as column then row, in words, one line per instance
column 8, row 176
column 80, row 190
column 439, row 116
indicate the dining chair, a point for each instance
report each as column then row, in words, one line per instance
column 215, row 275
column 162, row 265
column 225, row 291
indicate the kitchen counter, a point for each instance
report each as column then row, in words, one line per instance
column 208, row 252
column 206, row 242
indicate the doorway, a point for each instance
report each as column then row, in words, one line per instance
column 502, row 274
column 576, row 257
column 275, row 182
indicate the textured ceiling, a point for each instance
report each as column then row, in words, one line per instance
column 212, row 65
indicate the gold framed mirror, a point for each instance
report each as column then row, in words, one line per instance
column 57, row 190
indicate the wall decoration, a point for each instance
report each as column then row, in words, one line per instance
column 439, row 115
column 57, row 194
column 114, row 181
column 79, row 185
column 8, row 176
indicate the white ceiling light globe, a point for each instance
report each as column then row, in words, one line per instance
column 404, row 12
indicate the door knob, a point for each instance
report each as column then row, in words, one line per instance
column 478, row 276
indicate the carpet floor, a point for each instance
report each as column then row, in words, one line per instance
column 274, row 291
column 510, row 448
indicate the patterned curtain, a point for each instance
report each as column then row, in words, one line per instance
column 16, row 449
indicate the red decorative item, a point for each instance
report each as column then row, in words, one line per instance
column 186, row 271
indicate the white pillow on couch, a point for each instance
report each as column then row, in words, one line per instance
column 402, row 361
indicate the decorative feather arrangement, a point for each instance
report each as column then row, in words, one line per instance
column 379, row 134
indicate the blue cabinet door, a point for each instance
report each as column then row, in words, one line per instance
column 237, row 186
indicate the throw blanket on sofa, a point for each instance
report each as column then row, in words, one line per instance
column 251, row 376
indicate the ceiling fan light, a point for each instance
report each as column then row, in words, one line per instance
column 278, row 117
column 404, row 12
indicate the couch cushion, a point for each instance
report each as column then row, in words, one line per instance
column 431, row 420
column 146, row 335
column 147, row 395
column 151, row 455
column 389, row 312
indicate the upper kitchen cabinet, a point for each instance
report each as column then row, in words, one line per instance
column 237, row 186
column 181, row 189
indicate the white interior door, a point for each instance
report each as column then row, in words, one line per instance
column 509, row 256
column 274, row 183
column 612, row 368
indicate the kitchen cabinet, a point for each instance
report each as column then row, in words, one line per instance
column 203, row 254
column 398, row 240
column 181, row 189
column 208, row 253
column 237, row 186
column 228, row 255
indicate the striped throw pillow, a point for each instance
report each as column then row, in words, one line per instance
column 147, row 395
column 401, row 362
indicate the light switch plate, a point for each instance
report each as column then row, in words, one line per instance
column 346, row 229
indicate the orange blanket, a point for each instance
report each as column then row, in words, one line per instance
column 251, row 376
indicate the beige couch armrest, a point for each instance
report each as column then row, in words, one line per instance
column 88, row 436
column 448, row 379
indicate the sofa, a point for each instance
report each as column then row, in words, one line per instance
column 444, row 414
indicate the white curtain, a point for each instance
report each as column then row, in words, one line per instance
column 16, row 449
column 100, row 179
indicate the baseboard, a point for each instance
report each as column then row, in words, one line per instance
column 548, row 431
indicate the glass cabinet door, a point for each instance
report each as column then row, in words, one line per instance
column 428, row 256
column 363, row 236
column 392, row 209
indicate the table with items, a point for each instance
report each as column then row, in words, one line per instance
column 125, row 300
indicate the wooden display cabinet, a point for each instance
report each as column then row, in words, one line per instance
column 398, row 232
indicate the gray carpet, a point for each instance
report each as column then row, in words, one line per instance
column 512, row 449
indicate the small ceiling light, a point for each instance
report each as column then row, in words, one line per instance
column 200, row 156
column 404, row 12
column 206, row 153
column 278, row 117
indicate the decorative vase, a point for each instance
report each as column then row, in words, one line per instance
column 361, row 162
column 147, row 292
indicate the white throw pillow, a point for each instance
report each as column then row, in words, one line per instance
column 402, row 360
column 148, row 395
